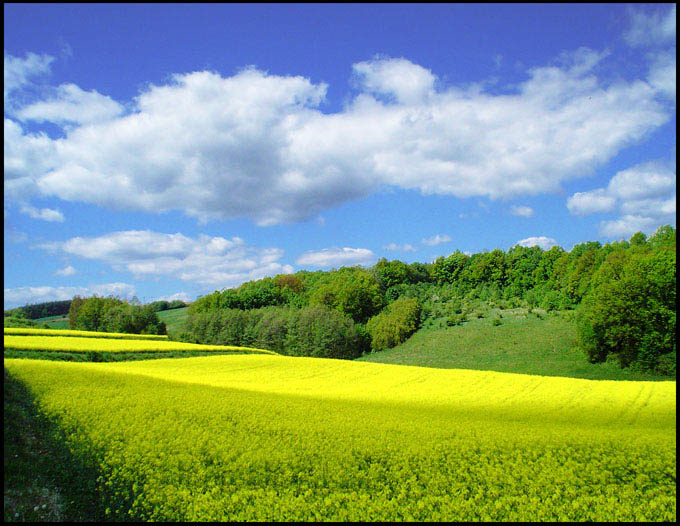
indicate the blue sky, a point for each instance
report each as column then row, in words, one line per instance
column 167, row 151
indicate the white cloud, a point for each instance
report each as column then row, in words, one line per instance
column 256, row 145
column 404, row 248
column 19, row 70
column 71, row 104
column 582, row 203
column 522, row 211
column 183, row 296
column 67, row 271
column 651, row 27
column 662, row 74
column 541, row 241
column 337, row 257
column 627, row 225
column 27, row 158
column 46, row 214
column 409, row 83
column 436, row 240
column 643, row 181
column 206, row 260
column 17, row 297
column 645, row 194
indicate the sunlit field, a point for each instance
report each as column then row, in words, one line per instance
column 81, row 334
column 274, row 438
column 85, row 344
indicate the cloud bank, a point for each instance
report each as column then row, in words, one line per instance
column 256, row 145
column 205, row 260
column 337, row 257
column 644, row 194
column 16, row 297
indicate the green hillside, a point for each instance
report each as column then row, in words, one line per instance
column 173, row 318
column 54, row 322
column 529, row 343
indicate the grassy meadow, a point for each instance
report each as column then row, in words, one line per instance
column 173, row 318
column 537, row 343
column 54, row 322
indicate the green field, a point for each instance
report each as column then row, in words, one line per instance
column 273, row 438
column 173, row 318
column 543, row 344
column 54, row 322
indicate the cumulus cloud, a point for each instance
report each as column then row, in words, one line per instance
column 627, row 225
column 436, row 240
column 541, row 241
column 27, row 158
column 407, row 82
column 67, row 271
column 522, row 211
column 206, row 260
column 256, row 145
column 404, row 248
column 46, row 214
column 19, row 296
column 645, row 194
column 337, row 257
column 650, row 27
column 655, row 32
column 582, row 203
column 662, row 74
column 18, row 71
column 70, row 104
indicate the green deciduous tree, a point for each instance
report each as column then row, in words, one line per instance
column 630, row 310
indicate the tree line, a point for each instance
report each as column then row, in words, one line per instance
column 623, row 292
column 41, row 310
column 113, row 315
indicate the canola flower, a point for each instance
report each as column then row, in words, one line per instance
column 274, row 438
column 84, row 344
column 26, row 331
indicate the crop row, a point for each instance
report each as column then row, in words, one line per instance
column 83, row 344
column 85, row 334
column 255, row 437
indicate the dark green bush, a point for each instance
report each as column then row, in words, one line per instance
column 395, row 324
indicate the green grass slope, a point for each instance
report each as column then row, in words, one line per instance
column 543, row 344
column 54, row 322
column 174, row 318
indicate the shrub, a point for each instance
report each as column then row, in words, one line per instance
column 19, row 322
column 395, row 324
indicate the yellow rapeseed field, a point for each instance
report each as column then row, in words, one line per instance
column 274, row 438
column 83, row 344
column 27, row 331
